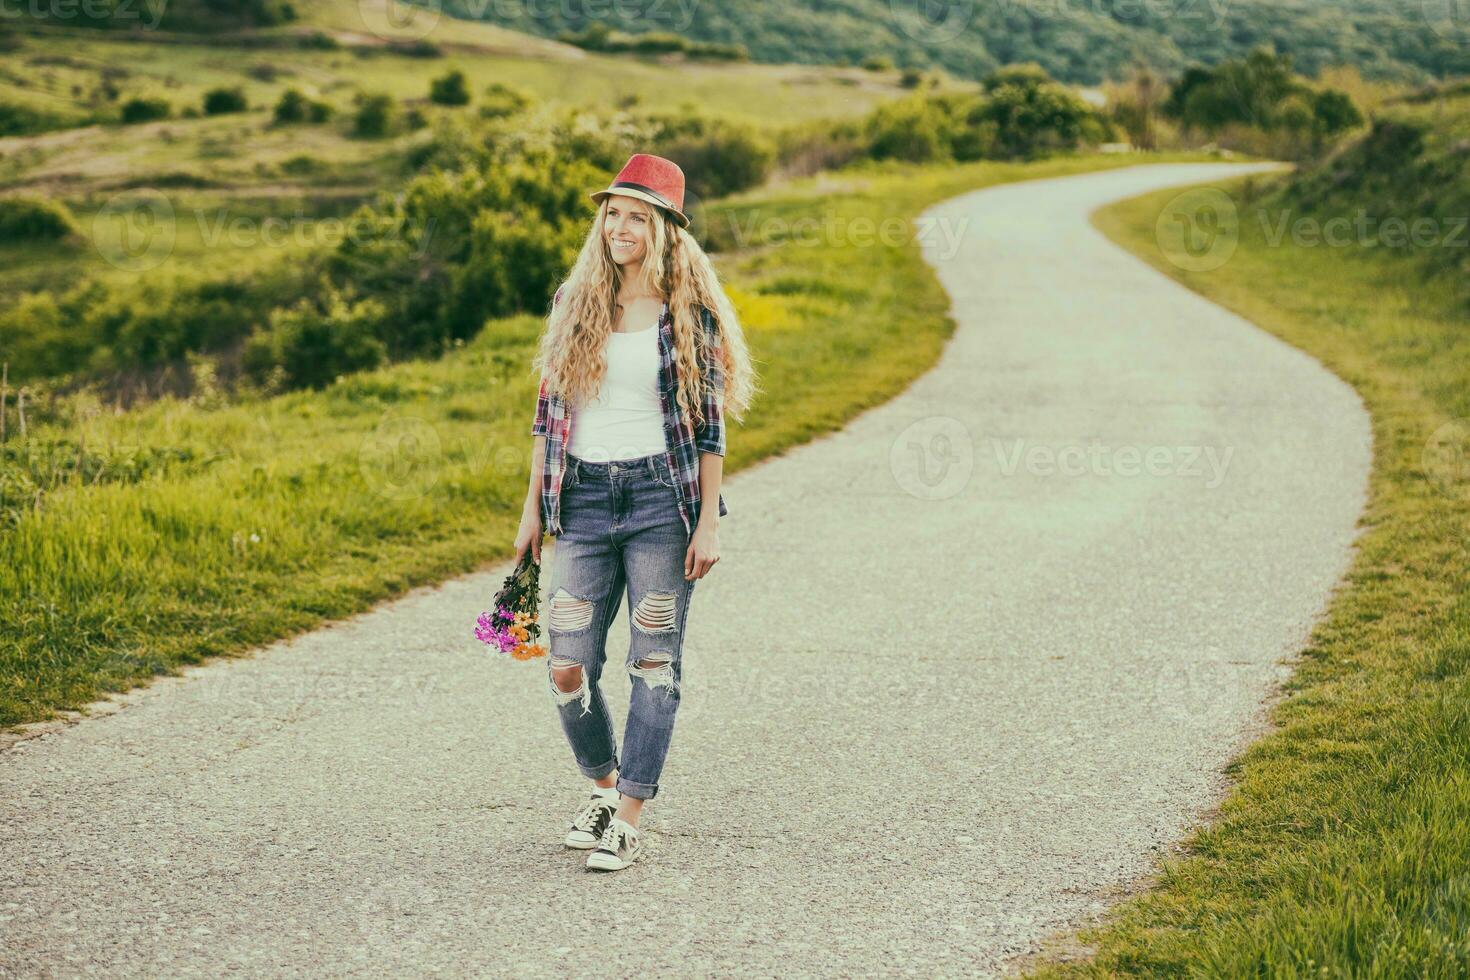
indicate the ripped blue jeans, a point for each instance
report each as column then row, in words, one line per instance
column 621, row 533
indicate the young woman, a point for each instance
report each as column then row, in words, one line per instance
column 641, row 360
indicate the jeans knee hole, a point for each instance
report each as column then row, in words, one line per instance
column 655, row 612
column 569, row 613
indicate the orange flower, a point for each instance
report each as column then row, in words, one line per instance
column 528, row 651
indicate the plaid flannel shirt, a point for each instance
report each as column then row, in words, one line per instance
column 684, row 441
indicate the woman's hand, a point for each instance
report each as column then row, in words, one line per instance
column 529, row 536
column 704, row 551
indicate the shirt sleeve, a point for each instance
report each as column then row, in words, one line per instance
column 540, row 427
column 710, row 437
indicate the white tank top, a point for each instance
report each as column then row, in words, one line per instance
column 626, row 419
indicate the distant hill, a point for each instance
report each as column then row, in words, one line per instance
column 1401, row 40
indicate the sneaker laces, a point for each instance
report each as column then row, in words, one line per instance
column 586, row 819
column 612, row 838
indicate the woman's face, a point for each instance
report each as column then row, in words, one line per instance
column 628, row 229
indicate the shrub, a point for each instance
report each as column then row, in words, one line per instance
column 718, row 157
column 302, row 165
column 915, row 129
column 220, row 101
column 1031, row 115
column 315, row 340
column 454, row 248
column 713, row 51
column 145, row 110
column 374, row 116
column 291, row 107
column 594, row 37
column 23, row 120
column 318, row 41
column 807, row 148
column 502, row 101
column 657, row 42
column 34, row 219
column 878, row 62
column 450, row 89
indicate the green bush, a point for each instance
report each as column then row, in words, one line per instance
column 718, row 157
column 454, row 248
column 502, row 101
column 657, row 42
column 315, row 340
column 450, row 89
column 878, row 62
column 34, row 219
column 713, row 51
column 1031, row 115
column 220, row 101
column 914, row 129
column 145, row 110
column 374, row 117
column 807, row 148
column 291, row 107
column 594, row 37
column 104, row 330
column 23, row 120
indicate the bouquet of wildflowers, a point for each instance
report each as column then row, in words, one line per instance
column 512, row 627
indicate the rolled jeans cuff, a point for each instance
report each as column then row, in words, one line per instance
column 643, row 791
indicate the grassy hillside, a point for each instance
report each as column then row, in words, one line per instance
column 1076, row 42
column 1341, row 851
column 241, row 170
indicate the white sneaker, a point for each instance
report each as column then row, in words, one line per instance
column 592, row 819
column 619, row 846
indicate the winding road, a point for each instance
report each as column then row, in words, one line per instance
column 967, row 667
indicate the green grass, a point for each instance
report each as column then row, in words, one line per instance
column 217, row 529
column 1343, row 848
column 246, row 168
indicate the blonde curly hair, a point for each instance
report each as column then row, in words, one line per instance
column 571, row 355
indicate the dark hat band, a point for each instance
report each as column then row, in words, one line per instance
column 619, row 184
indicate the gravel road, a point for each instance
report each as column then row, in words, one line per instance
column 965, row 669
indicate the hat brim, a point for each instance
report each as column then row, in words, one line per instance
column 679, row 217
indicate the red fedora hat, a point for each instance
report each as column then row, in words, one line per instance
column 653, row 179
